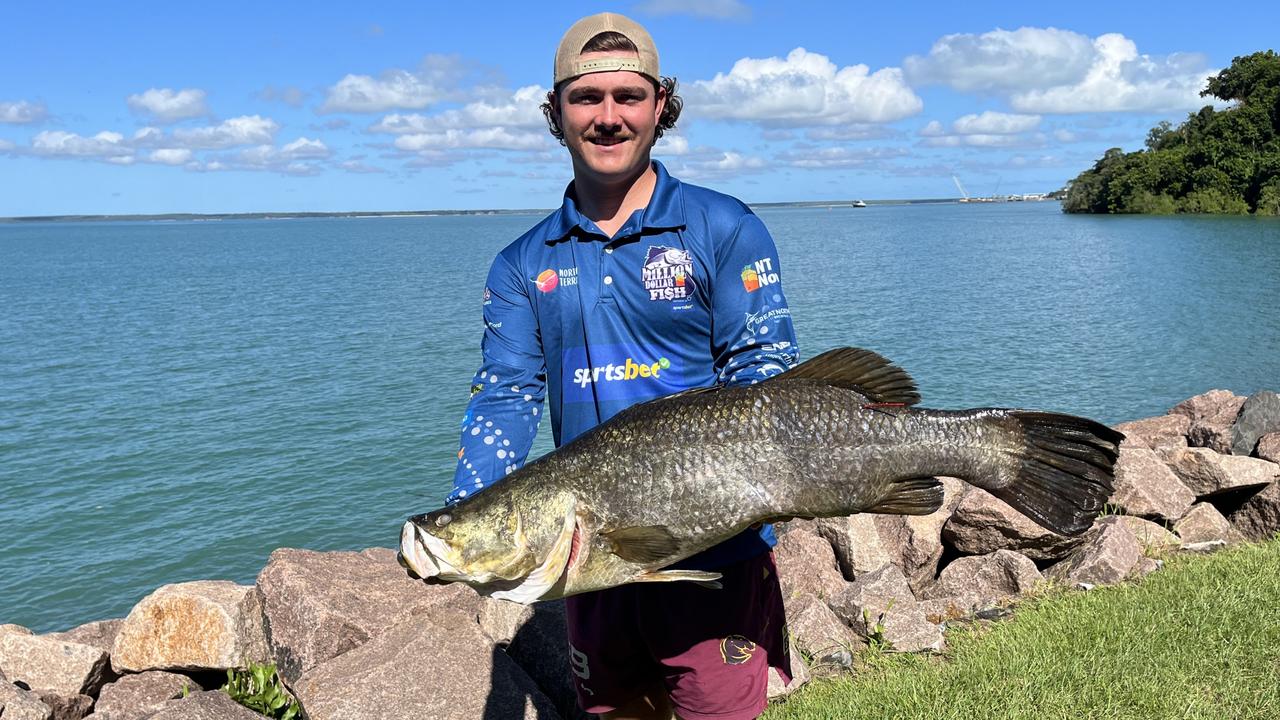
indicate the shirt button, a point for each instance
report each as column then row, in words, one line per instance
column 609, row 250
column 608, row 279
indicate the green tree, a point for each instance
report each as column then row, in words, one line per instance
column 1246, row 76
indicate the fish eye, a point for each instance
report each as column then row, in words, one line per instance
column 443, row 519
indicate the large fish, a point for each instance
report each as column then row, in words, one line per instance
column 665, row 479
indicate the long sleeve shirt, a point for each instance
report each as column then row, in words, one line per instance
column 686, row 294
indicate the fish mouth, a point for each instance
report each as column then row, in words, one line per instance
column 423, row 554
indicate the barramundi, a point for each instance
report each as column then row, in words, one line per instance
column 665, row 479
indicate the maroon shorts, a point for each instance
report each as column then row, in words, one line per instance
column 712, row 649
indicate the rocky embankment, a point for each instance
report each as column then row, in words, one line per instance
column 355, row 638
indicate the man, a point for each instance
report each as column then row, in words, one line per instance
column 637, row 287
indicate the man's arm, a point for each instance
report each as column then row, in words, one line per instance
column 752, row 335
column 507, row 392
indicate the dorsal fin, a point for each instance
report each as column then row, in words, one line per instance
column 862, row 371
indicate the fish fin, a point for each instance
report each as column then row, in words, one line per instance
column 641, row 545
column 706, row 579
column 862, row 371
column 913, row 496
column 1067, row 470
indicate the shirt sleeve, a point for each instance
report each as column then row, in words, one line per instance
column 508, row 389
column 752, row 334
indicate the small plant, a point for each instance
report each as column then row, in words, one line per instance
column 258, row 687
column 875, row 630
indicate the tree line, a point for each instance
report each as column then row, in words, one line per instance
column 1223, row 162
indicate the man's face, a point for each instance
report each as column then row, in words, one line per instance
column 609, row 119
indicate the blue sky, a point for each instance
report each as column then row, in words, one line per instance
column 151, row 107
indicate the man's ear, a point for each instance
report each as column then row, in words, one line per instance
column 661, row 105
column 553, row 99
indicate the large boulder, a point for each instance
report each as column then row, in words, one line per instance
column 134, row 696
column 856, row 543
column 1259, row 517
column 807, row 564
column 1206, row 472
column 208, row 705
column 66, row 707
column 1269, row 447
column 1109, row 554
column 797, row 670
column 881, row 607
column 1203, row 524
column 1165, row 431
column 184, row 626
column 19, row 704
column 100, row 634
column 1145, row 486
column 318, row 605
column 985, row 581
column 818, row 632
column 49, row 665
column 1212, row 414
column 435, row 664
column 1154, row 539
column 1259, row 415
column 982, row 524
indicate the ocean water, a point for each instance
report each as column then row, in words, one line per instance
column 179, row 399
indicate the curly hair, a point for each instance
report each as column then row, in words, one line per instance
column 611, row 42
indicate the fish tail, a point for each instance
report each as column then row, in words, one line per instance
column 1066, row 470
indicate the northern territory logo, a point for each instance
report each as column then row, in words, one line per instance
column 547, row 280
column 668, row 273
column 758, row 274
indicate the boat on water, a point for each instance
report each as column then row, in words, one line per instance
column 859, row 203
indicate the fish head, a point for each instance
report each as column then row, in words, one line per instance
column 507, row 546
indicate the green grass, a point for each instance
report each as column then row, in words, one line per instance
column 1198, row 639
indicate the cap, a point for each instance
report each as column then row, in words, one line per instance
column 569, row 61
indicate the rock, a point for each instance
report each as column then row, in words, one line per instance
column 1212, row 415
column 49, row 665
column 817, row 631
column 319, row 605
column 1205, row 472
column 1154, row 539
column 19, row 704
column 798, row 671
column 1106, row 557
column 502, row 619
column 880, row 607
column 1145, row 566
column 1146, row 486
column 941, row 611
column 1259, row 415
column 8, row 628
column 1204, row 523
column 66, row 707
column 1259, row 517
column 807, row 564
column 985, row 580
column 1269, row 447
column 1204, row 548
column 434, row 664
column 134, row 696
column 541, row 648
column 1165, row 431
column 983, row 524
column 856, row 543
column 208, row 705
column 183, row 626
column 100, row 634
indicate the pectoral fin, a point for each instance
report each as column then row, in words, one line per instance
column 646, row 544
column 700, row 577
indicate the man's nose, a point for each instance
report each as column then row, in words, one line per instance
column 608, row 117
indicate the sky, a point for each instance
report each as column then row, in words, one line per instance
column 159, row 107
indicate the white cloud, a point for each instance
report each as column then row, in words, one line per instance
column 707, row 163
column 804, row 89
column 995, row 123
column 356, row 166
column 495, row 138
column 988, row 129
column 5, row 145
column 291, row 96
column 59, row 143
column 720, row 9
column 838, row 157
column 519, row 110
column 852, row 131
column 170, row 156
column 167, row 106
column 243, row 130
column 670, row 144
column 394, row 89
column 984, row 140
column 1004, row 60
column 305, row 148
column 22, row 112
column 1122, row 80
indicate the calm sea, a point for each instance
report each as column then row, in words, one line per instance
column 179, row 399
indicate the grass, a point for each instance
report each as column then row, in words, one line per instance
column 1199, row 639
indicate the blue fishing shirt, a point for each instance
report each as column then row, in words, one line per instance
column 686, row 294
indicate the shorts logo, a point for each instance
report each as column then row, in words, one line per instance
column 736, row 650
column 668, row 273
column 547, row 280
column 578, row 663
column 758, row 274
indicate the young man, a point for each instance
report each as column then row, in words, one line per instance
column 637, row 287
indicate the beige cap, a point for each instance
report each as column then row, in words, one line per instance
column 569, row 62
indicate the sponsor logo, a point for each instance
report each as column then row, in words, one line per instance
column 737, row 650
column 667, row 273
column 487, row 296
column 758, row 275
column 757, row 323
column 547, row 280
column 568, row 276
column 476, row 388
column 626, row 370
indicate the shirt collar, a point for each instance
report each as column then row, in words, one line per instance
column 664, row 211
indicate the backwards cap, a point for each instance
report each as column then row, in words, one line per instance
column 569, row 61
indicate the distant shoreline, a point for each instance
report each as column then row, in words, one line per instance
column 173, row 217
